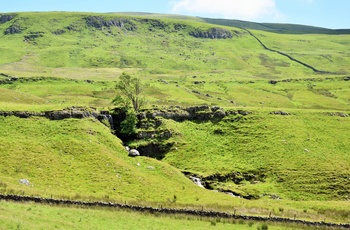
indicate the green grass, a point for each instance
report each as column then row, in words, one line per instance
column 48, row 94
column 303, row 157
column 162, row 51
column 81, row 159
column 29, row 216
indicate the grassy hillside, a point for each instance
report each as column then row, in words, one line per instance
column 285, row 165
column 36, row 47
column 80, row 159
column 295, row 155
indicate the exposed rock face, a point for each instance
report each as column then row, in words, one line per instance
column 283, row 113
column 213, row 33
column 99, row 22
column 14, row 29
column 72, row 112
column 338, row 114
column 200, row 113
column 33, row 35
column 21, row 114
column 6, row 18
column 155, row 149
column 148, row 134
column 154, row 24
column 58, row 32
column 179, row 27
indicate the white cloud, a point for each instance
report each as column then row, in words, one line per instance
column 232, row 9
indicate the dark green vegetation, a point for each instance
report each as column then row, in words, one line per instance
column 280, row 143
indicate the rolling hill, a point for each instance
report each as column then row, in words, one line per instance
column 258, row 112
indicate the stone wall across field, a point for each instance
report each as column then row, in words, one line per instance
column 203, row 213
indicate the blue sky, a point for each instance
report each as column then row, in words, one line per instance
column 325, row 13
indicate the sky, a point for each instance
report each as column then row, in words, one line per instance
column 332, row 14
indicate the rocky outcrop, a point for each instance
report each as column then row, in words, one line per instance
column 33, row 35
column 179, row 26
column 338, row 114
column 283, row 113
column 72, row 112
column 6, row 18
column 155, row 149
column 13, row 29
column 21, row 114
column 213, row 33
column 149, row 134
column 58, row 32
column 99, row 22
column 199, row 113
column 154, row 24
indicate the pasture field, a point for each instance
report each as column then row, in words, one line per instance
column 48, row 217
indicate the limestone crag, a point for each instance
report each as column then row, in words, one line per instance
column 13, row 29
column 6, row 18
column 99, row 22
column 72, row 112
column 213, row 33
column 199, row 113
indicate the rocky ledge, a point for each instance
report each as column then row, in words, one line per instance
column 72, row 112
column 199, row 113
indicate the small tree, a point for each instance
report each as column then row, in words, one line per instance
column 131, row 88
column 130, row 100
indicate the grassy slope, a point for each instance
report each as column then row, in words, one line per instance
column 236, row 71
column 332, row 94
column 299, row 153
column 166, row 52
column 81, row 159
column 52, row 94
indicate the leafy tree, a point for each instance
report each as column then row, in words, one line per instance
column 131, row 89
column 131, row 100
